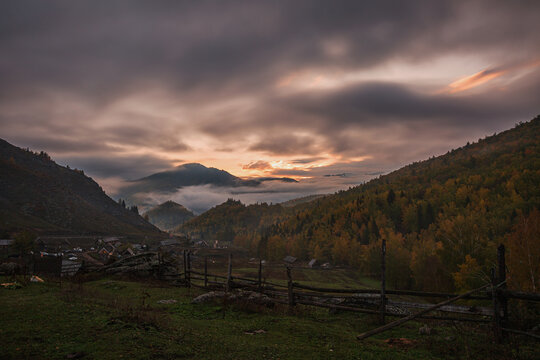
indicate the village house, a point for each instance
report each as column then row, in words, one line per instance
column 107, row 250
column 201, row 243
column 50, row 244
column 5, row 245
column 289, row 259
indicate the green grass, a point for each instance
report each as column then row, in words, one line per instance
column 112, row 319
column 334, row 278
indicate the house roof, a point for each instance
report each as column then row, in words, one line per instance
column 289, row 259
column 169, row 242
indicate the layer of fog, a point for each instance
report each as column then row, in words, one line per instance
column 203, row 197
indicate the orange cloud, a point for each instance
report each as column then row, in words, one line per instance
column 484, row 76
column 258, row 165
column 474, row 80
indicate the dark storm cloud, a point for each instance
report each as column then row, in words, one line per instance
column 373, row 104
column 104, row 48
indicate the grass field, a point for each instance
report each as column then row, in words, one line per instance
column 329, row 278
column 112, row 319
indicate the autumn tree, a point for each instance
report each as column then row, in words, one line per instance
column 426, row 266
column 469, row 275
column 524, row 253
column 398, row 258
column 276, row 248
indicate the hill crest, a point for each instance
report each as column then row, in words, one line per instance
column 39, row 194
column 168, row 215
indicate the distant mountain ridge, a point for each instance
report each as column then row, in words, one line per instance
column 168, row 215
column 38, row 194
column 192, row 174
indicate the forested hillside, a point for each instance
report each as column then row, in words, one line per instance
column 234, row 221
column 168, row 215
column 39, row 195
column 442, row 218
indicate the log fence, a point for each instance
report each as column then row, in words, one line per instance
column 375, row 301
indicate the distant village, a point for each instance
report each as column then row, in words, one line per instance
column 69, row 255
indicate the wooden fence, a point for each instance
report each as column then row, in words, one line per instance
column 374, row 301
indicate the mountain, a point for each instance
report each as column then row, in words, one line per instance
column 182, row 176
column 442, row 218
column 139, row 192
column 38, row 194
column 231, row 220
column 282, row 179
column 168, row 215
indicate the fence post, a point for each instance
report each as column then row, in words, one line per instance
column 206, row 271
column 188, row 256
column 383, row 282
column 496, row 312
column 501, row 280
column 160, row 261
column 290, row 287
column 229, row 274
column 260, row 274
column 185, row 266
column 61, row 257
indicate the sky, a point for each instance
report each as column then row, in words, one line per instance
column 303, row 89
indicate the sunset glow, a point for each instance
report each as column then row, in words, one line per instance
column 474, row 80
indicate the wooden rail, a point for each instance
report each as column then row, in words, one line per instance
column 389, row 292
column 414, row 316
column 348, row 299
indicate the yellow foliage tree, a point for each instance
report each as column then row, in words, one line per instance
column 469, row 275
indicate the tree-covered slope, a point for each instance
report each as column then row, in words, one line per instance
column 442, row 217
column 38, row 194
column 168, row 216
column 233, row 220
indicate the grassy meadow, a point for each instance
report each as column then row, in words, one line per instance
column 114, row 318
